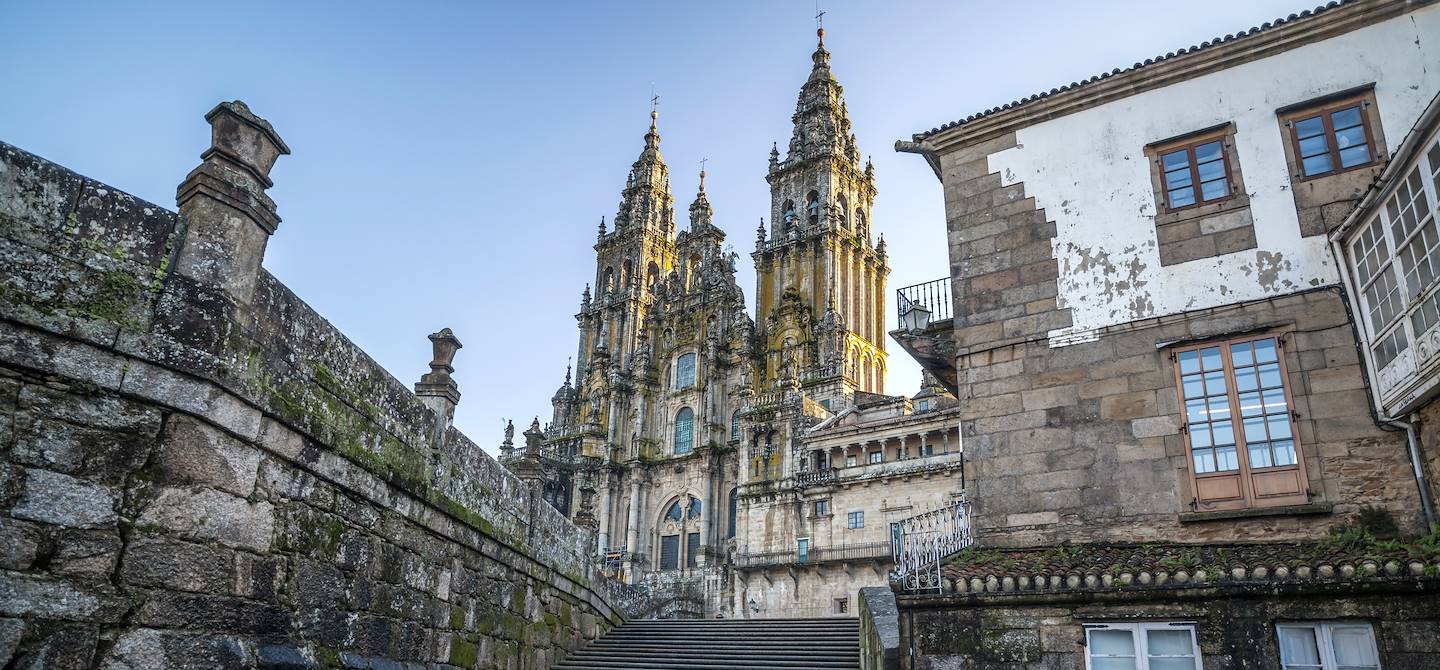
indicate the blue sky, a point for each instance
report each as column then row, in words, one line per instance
column 451, row 160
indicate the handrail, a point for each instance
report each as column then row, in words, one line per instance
column 920, row 543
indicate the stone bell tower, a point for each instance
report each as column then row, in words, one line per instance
column 821, row 280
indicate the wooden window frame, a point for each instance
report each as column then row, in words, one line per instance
column 1323, row 108
column 1245, row 474
column 1187, row 143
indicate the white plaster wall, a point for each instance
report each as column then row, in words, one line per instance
column 1089, row 172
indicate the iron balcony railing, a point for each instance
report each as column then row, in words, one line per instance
column 920, row 544
column 841, row 552
column 932, row 295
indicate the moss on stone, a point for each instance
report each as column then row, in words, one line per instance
column 463, row 653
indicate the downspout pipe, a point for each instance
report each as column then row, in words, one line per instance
column 1412, row 438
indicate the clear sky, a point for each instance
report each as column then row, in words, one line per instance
column 451, row 160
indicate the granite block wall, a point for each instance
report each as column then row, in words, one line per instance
column 196, row 475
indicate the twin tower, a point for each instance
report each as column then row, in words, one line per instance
column 669, row 362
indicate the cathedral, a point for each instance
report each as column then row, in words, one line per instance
column 687, row 434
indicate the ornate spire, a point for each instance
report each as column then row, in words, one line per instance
column 822, row 125
column 646, row 200
column 701, row 214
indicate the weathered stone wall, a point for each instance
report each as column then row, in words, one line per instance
column 1235, row 626
column 1084, row 442
column 1429, row 448
column 202, row 476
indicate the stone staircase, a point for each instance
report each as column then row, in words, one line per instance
column 724, row 644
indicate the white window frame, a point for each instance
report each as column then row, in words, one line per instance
column 1142, row 657
column 1399, row 328
column 1323, row 631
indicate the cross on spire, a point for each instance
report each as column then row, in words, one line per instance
column 819, row 22
column 703, row 161
column 654, row 105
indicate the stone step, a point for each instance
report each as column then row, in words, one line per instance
column 724, row 644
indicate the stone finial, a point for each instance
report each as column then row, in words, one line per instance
column 229, row 217
column 437, row 382
column 436, row 389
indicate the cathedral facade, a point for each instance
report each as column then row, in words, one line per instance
column 682, row 434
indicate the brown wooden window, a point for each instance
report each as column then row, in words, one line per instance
column 1238, row 424
column 1333, row 137
column 1195, row 171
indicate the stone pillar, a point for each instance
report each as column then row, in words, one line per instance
column 606, row 502
column 229, row 218
column 436, row 389
column 632, row 525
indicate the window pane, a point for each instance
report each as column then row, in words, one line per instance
column 1175, row 160
column 1223, row 433
column 1215, row 383
column 1270, row 375
column 1309, row 127
column 1251, row 404
column 1316, row 164
column 1194, row 387
column 1212, row 190
column 1168, row 643
column 1225, row 460
column 1284, row 452
column 1219, row 408
column 1298, row 648
column 1345, row 118
column 1204, row 460
column 1209, row 151
column 1279, row 426
column 1242, row 353
column 1255, row 430
column 1111, row 643
column 1353, row 156
column 1200, row 435
column 1314, row 146
column 1195, row 410
column 1182, row 197
column 1178, row 178
column 1210, row 358
column 1260, row 455
column 1112, row 663
column 1265, row 351
column 1211, row 170
column 1245, row 379
column 1353, row 647
column 1189, row 362
column 1187, row 663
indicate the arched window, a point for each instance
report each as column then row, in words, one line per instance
column 685, row 431
column 730, row 531
column 812, row 206
column 735, row 426
column 627, row 273
column 861, row 228
column 609, row 281
column 685, row 371
column 843, row 206
column 652, row 274
column 788, row 214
